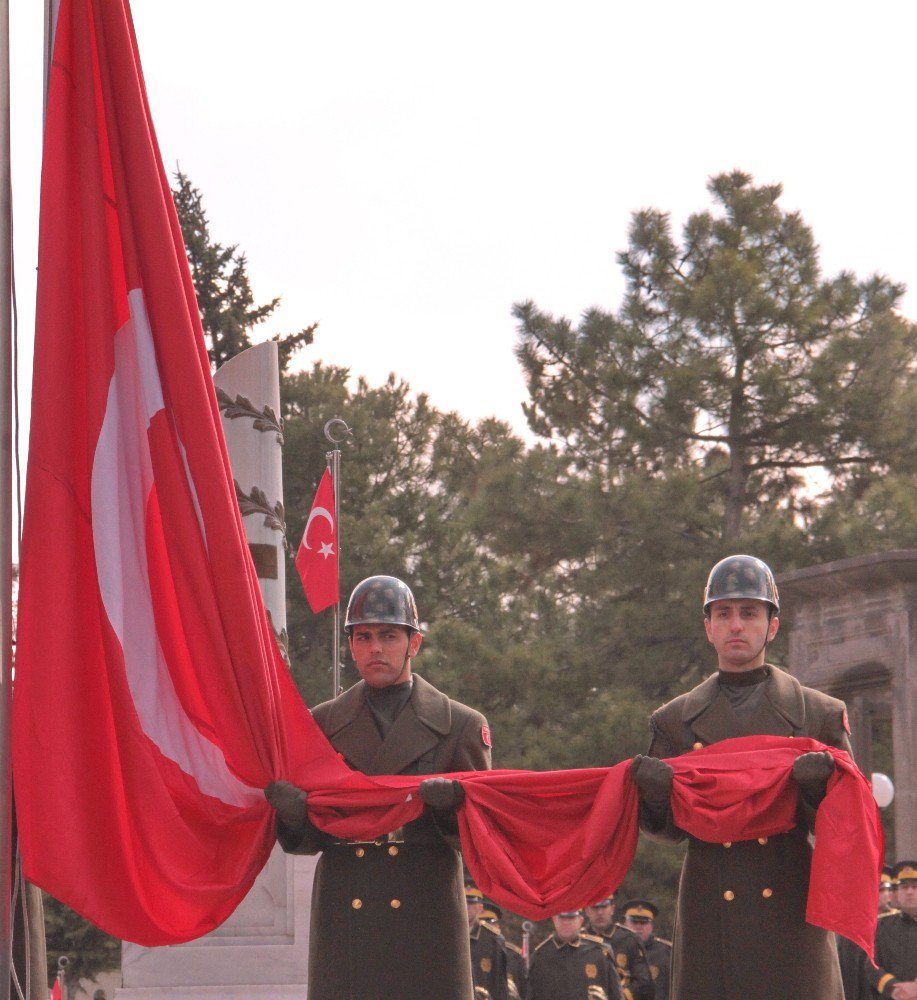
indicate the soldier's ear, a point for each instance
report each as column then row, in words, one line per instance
column 415, row 644
column 772, row 627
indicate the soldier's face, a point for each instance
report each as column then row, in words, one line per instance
column 886, row 899
column 642, row 928
column 601, row 917
column 738, row 630
column 379, row 653
column 474, row 911
column 907, row 897
column 567, row 928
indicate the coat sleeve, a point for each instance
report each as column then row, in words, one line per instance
column 469, row 753
column 654, row 825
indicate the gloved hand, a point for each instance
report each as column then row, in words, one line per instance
column 812, row 771
column 654, row 779
column 441, row 793
column 289, row 801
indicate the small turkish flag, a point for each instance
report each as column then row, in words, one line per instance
column 317, row 558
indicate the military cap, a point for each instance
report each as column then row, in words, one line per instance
column 905, row 871
column 887, row 878
column 491, row 911
column 640, row 910
column 472, row 893
column 570, row 913
column 605, row 900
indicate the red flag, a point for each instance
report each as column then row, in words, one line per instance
column 151, row 704
column 56, row 990
column 317, row 557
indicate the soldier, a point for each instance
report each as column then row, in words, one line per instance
column 488, row 955
column 387, row 916
column 896, row 941
column 515, row 960
column 888, row 890
column 570, row 965
column 640, row 917
column 749, row 897
column 630, row 958
column 856, row 969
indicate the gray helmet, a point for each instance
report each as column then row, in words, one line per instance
column 381, row 600
column 738, row 577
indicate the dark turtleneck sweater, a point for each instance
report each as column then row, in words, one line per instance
column 386, row 703
column 743, row 689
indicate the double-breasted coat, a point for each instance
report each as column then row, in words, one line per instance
column 740, row 927
column 388, row 917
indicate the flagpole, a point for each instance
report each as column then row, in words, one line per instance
column 6, row 507
column 333, row 458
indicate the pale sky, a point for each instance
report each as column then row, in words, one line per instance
column 403, row 172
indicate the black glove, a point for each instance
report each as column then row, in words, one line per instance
column 441, row 793
column 289, row 801
column 654, row 779
column 812, row 771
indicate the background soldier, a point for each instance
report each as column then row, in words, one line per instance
column 570, row 965
column 896, row 941
column 748, row 897
column 515, row 960
column 625, row 947
column 888, row 890
column 387, row 916
column 639, row 917
column 488, row 956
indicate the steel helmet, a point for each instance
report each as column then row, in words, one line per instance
column 738, row 577
column 381, row 600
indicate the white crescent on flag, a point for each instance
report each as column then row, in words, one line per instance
column 316, row 512
column 122, row 484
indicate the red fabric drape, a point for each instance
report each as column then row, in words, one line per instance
column 542, row 842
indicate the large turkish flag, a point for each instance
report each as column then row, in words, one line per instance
column 151, row 705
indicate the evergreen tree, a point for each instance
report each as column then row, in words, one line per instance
column 89, row 950
column 221, row 282
column 730, row 356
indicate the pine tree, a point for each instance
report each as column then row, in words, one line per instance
column 221, row 281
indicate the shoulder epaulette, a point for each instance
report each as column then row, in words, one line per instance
column 490, row 927
column 663, row 941
column 512, row 947
column 888, row 913
column 543, row 943
column 594, row 938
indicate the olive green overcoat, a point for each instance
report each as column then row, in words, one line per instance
column 740, row 927
column 389, row 920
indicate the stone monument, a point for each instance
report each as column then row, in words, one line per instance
column 852, row 628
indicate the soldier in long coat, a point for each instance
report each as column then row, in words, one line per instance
column 895, row 972
column 626, row 949
column 388, row 916
column 740, row 927
column 640, row 917
column 570, row 965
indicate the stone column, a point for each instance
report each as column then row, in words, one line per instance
column 261, row 951
column 853, row 633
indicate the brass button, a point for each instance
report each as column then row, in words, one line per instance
column 393, row 850
column 729, row 895
column 767, row 893
column 762, row 840
column 357, row 903
column 698, row 746
column 395, row 903
column 360, row 851
column 727, row 843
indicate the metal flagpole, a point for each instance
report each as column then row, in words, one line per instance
column 333, row 458
column 6, row 507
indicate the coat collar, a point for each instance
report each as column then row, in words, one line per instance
column 712, row 718
column 421, row 723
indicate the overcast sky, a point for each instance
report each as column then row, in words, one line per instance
column 404, row 172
